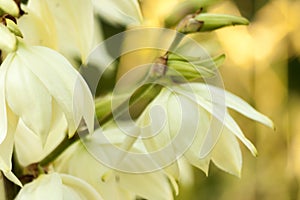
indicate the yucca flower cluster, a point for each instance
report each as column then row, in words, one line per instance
column 145, row 130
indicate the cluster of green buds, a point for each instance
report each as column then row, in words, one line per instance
column 180, row 67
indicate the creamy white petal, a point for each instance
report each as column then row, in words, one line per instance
column 154, row 123
column 28, row 98
column 124, row 12
column 83, row 103
column 235, row 129
column 232, row 101
column 6, row 150
column 65, row 26
column 30, row 148
column 186, row 173
column 160, row 130
column 202, row 164
column 220, row 114
column 109, row 183
column 61, row 80
column 44, row 187
column 10, row 7
column 174, row 175
column 152, row 186
column 92, row 172
column 227, row 154
column 57, row 186
column 193, row 153
column 7, row 40
column 28, row 145
column 74, row 21
column 3, row 114
column 75, row 187
column 37, row 25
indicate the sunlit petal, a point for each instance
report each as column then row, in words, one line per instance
column 227, row 154
column 114, row 11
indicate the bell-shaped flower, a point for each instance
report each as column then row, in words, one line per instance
column 192, row 120
column 65, row 26
column 58, row 186
column 39, row 88
column 110, row 182
column 119, row 12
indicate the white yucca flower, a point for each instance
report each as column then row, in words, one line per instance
column 119, row 12
column 58, row 186
column 41, row 94
column 66, row 26
column 109, row 182
column 190, row 119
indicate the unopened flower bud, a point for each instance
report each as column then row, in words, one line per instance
column 9, row 7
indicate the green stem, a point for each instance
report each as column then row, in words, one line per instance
column 177, row 39
column 145, row 94
column 59, row 150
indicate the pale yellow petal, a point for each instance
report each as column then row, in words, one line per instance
column 152, row 186
column 45, row 187
column 8, row 41
column 218, row 96
column 119, row 12
column 38, row 26
column 30, row 148
column 61, row 80
column 222, row 117
column 28, row 97
column 3, row 111
column 74, row 21
column 9, row 7
column 79, row 188
column 6, row 150
column 227, row 154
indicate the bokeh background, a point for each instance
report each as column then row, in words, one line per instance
column 263, row 67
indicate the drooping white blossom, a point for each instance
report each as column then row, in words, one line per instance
column 66, row 26
column 190, row 121
column 41, row 94
column 109, row 182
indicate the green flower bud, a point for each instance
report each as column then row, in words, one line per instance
column 209, row 22
column 12, row 26
column 215, row 21
column 193, row 67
